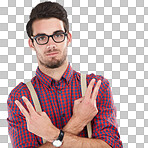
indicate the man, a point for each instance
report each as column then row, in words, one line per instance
column 58, row 87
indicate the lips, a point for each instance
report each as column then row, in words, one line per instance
column 52, row 53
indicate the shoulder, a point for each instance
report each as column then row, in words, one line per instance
column 104, row 82
column 15, row 94
column 20, row 90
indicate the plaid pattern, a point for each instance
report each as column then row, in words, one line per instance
column 57, row 100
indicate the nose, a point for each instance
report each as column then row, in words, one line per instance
column 51, row 44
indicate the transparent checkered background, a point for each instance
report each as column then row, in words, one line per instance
column 110, row 38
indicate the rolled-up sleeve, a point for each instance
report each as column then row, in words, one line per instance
column 105, row 125
column 17, row 127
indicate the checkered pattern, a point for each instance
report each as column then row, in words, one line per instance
column 65, row 91
column 110, row 38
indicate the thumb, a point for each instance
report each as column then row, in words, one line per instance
column 81, row 99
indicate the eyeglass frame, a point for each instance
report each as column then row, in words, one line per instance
column 34, row 37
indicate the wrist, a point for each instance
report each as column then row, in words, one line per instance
column 54, row 135
column 74, row 126
column 59, row 141
column 80, row 123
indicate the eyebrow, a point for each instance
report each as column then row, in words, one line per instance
column 57, row 31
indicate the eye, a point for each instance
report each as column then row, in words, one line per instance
column 59, row 35
column 41, row 38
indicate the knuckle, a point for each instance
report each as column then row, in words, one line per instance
column 76, row 101
column 33, row 118
column 30, row 121
column 87, row 102
column 43, row 113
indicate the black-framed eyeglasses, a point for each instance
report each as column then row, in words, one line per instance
column 43, row 39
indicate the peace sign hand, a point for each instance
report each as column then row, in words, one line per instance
column 38, row 122
column 85, row 108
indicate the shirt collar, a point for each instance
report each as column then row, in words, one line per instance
column 47, row 80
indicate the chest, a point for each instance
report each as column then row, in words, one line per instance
column 58, row 100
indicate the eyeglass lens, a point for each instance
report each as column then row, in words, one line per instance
column 58, row 37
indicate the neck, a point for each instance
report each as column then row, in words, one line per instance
column 55, row 73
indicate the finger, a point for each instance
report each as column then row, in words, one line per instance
column 29, row 105
column 89, row 89
column 78, row 100
column 95, row 91
column 22, row 109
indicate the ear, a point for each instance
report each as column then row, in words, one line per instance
column 69, row 39
column 31, row 45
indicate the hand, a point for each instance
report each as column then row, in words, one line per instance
column 38, row 122
column 85, row 108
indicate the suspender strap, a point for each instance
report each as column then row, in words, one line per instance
column 37, row 103
column 83, row 88
column 35, row 99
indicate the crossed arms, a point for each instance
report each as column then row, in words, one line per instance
column 84, row 110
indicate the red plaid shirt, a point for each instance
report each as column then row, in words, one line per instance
column 57, row 100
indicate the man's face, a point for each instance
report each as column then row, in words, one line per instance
column 44, row 52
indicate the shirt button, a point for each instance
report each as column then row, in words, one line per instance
column 59, row 92
column 63, row 115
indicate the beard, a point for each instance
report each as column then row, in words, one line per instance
column 54, row 62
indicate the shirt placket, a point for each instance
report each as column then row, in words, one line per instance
column 58, row 99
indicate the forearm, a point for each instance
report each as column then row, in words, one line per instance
column 74, row 141
column 71, row 139
column 72, row 129
column 47, row 145
column 74, row 126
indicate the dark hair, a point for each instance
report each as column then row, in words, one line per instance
column 47, row 9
